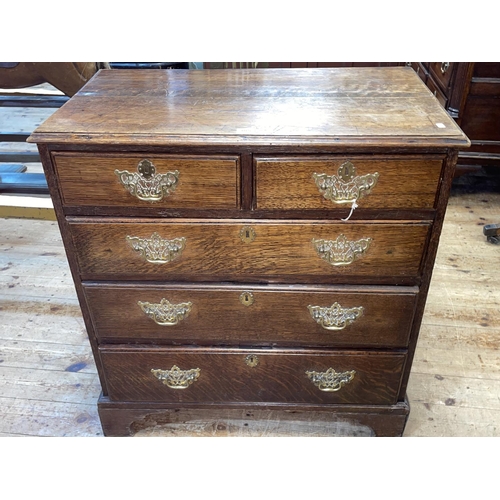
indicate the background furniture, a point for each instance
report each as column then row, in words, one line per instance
column 68, row 77
column 260, row 65
column 470, row 92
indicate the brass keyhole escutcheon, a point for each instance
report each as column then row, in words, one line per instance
column 252, row 360
column 146, row 169
column 246, row 298
column 347, row 171
column 247, row 234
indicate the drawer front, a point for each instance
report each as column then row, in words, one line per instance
column 208, row 315
column 442, row 72
column 420, row 69
column 437, row 92
column 135, row 180
column 306, row 183
column 229, row 251
column 224, row 375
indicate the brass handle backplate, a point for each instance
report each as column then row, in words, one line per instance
column 146, row 184
column 165, row 313
column 330, row 381
column 156, row 249
column 345, row 187
column 335, row 317
column 175, row 378
column 341, row 252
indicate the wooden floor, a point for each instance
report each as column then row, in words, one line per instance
column 49, row 385
column 48, row 380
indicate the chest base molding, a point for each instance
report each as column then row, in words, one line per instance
column 251, row 420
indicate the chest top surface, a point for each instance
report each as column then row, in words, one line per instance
column 330, row 106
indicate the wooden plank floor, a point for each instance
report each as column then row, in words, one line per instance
column 454, row 388
column 49, row 385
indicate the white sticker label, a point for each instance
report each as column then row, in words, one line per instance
column 440, row 125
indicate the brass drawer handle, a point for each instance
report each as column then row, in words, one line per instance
column 341, row 252
column 175, row 378
column 444, row 67
column 165, row 313
column 146, row 184
column 156, row 249
column 330, row 381
column 335, row 317
column 345, row 187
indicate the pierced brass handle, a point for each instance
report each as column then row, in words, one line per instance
column 165, row 313
column 175, row 378
column 345, row 187
column 444, row 67
column 156, row 249
column 330, row 381
column 146, row 184
column 335, row 317
column 341, row 252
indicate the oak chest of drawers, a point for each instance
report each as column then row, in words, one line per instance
column 252, row 241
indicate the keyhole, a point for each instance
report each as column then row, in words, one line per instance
column 347, row 171
column 246, row 298
column 252, row 360
column 146, row 169
column 247, row 234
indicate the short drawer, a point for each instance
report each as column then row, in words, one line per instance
column 420, row 69
column 138, row 180
column 265, row 316
column 257, row 251
column 329, row 182
column 251, row 375
column 442, row 72
column 437, row 92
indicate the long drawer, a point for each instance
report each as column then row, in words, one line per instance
column 138, row 180
column 327, row 182
column 219, row 250
column 234, row 315
column 253, row 375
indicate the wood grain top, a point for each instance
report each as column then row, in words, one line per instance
column 327, row 106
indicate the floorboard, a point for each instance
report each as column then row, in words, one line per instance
column 48, row 380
